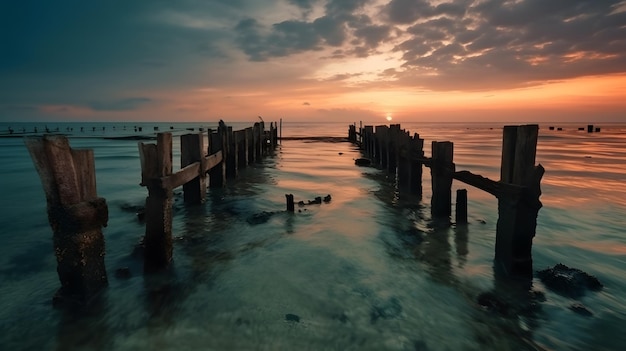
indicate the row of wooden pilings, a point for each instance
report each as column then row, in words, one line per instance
column 517, row 191
column 77, row 215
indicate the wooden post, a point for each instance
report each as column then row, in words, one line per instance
column 217, row 174
column 281, row 131
column 441, row 171
column 417, row 151
column 403, row 146
column 250, row 144
column 381, row 145
column 262, row 140
column 368, row 141
column 273, row 138
column 392, row 147
column 258, row 142
column 461, row 206
column 76, row 215
column 231, row 154
column 242, row 148
column 290, row 204
column 352, row 133
column 156, row 162
column 192, row 150
column 517, row 211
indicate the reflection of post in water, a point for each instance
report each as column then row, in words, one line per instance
column 516, row 306
column 85, row 327
column 461, row 232
column 163, row 297
column 437, row 252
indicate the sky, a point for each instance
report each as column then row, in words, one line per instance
column 313, row 60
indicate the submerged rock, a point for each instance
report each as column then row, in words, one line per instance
column 292, row 318
column 570, row 282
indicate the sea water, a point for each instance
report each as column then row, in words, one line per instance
column 369, row 270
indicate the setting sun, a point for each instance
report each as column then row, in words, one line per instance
column 389, row 117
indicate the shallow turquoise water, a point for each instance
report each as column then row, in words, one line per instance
column 369, row 270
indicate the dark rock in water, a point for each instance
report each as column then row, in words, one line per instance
column 327, row 198
column 122, row 273
column 570, row 282
column 362, row 162
column 292, row 318
column 318, row 200
column 301, row 203
column 260, row 218
column 387, row 310
column 580, row 309
column 493, row 303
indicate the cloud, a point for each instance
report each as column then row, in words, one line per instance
column 504, row 44
column 306, row 103
column 124, row 56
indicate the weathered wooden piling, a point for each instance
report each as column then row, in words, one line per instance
column 352, row 133
column 231, row 154
column 258, row 141
column 242, row 148
column 217, row 175
column 519, row 205
column 250, row 144
column 76, row 215
column 222, row 160
column 191, row 151
column 442, row 171
column 156, row 163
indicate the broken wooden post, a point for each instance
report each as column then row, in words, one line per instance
column 290, row 204
column 76, row 215
column 217, row 175
column 192, row 150
column 517, row 210
column 461, row 206
column 442, row 170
